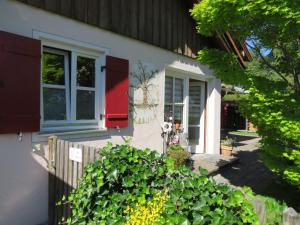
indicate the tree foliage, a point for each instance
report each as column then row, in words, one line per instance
column 272, row 31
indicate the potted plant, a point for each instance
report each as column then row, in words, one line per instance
column 177, row 124
column 227, row 146
column 179, row 155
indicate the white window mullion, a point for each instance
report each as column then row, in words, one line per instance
column 97, row 89
column 85, row 88
column 67, row 87
column 202, row 118
column 102, row 82
column 173, row 100
column 185, row 123
column 54, row 86
column 73, row 86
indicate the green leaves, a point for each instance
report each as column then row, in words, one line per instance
column 224, row 65
column 126, row 176
column 272, row 78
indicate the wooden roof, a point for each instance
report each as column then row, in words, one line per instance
column 163, row 23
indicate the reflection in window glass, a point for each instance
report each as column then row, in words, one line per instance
column 169, row 90
column 194, row 115
column 85, row 106
column 54, row 104
column 178, row 113
column 178, row 95
column 53, row 71
column 194, row 135
column 168, row 112
column 195, row 92
column 85, row 72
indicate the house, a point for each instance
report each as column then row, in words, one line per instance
column 93, row 71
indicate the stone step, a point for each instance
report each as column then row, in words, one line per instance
column 212, row 163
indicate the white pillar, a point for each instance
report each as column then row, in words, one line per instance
column 213, row 117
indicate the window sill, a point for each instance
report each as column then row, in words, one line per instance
column 70, row 134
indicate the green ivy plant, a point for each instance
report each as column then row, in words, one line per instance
column 125, row 176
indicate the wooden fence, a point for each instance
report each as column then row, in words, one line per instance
column 66, row 165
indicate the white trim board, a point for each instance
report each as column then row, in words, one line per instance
column 68, row 43
column 190, row 71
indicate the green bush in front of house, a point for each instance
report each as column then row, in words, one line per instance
column 126, row 185
column 179, row 155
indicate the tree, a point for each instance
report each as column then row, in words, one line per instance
column 272, row 31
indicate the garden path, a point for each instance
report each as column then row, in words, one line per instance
column 250, row 171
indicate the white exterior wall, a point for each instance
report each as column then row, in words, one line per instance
column 24, row 179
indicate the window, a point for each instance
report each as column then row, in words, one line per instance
column 184, row 102
column 195, row 111
column 55, row 81
column 70, row 90
column 85, row 89
column 174, row 99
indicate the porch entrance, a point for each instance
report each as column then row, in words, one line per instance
column 185, row 104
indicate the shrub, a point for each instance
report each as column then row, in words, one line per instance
column 179, row 155
column 127, row 177
column 274, row 208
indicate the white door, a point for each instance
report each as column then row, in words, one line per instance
column 196, row 98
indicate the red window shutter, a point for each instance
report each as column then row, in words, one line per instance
column 116, row 110
column 20, row 59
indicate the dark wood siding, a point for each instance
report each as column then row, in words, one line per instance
column 163, row 23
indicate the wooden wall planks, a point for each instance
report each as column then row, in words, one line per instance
column 64, row 175
column 163, row 23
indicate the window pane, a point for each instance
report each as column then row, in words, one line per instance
column 178, row 113
column 54, row 101
column 85, row 72
column 195, row 92
column 194, row 115
column 178, row 91
column 85, row 107
column 194, row 134
column 168, row 112
column 169, row 90
column 53, row 70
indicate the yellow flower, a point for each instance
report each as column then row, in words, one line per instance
column 148, row 213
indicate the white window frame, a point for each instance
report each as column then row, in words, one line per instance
column 185, row 123
column 66, row 87
column 197, row 148
column 77, row 48
column 173, row 104
column 75, row 88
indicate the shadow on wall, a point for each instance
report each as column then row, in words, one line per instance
column 24, row 182
column 24, row 185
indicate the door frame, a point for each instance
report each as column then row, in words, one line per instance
column 186, row 76
column 201, row 147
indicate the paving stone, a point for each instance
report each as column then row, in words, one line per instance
column 212, row 163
